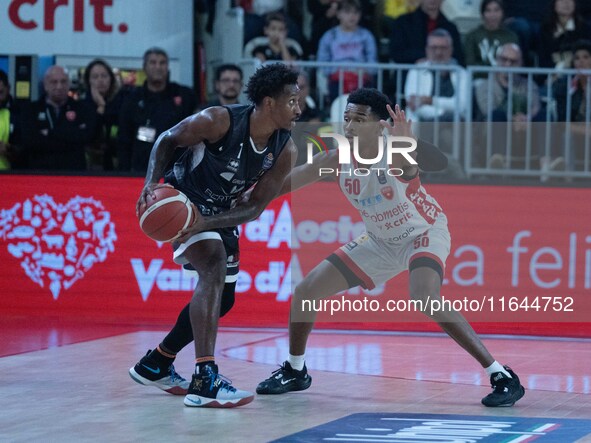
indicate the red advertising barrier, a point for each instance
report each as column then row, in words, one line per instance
column 71, row 247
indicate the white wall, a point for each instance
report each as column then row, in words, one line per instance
column 106, row 28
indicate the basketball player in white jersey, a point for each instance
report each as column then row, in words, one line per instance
column 406, row 229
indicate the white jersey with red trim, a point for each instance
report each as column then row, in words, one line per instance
column 393, row 209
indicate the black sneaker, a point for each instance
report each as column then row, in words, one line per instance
column 148, row 372
column 285, row 379
column 506, row 391
column 209, row 389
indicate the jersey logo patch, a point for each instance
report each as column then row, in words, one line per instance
column 233, row 165
column 387, row 192
column 268, row 161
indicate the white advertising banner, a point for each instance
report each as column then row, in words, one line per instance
column 101, row 28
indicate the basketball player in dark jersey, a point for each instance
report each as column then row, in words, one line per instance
column 229, row 149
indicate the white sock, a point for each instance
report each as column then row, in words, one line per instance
column 497, row 367
column 296, row 361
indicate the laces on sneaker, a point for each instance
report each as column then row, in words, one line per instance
column 174, row 376
column 219, row 381
column 500, row 386
column 278, row 373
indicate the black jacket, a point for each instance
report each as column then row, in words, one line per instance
column 57, row 141
column 161, row 111
column 408, row 37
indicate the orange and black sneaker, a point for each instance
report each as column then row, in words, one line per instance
column 149, row 372
column 209, row 389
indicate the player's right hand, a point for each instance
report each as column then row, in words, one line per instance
column 148, row 191
column 191, row 230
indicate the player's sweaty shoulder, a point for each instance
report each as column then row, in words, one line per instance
column 212, row 123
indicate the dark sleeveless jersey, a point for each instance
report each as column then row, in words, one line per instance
column 213, row 178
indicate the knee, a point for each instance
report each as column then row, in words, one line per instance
column 300, row 291
column 304, row 290
column 213, row 274
column 424, row 293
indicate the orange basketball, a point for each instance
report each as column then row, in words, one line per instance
column 166, row 215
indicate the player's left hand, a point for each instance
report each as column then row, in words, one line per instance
column 400, row 126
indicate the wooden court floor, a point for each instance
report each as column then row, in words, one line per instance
column 81, row 392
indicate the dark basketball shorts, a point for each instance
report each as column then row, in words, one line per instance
column 229, row 237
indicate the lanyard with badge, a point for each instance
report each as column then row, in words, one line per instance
column 146, row 133
column 46, row 116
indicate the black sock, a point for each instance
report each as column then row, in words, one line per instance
column 181, row 334
column 200, row 366
column 162, row 360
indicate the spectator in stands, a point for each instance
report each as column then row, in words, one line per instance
column 508, row 55
column 391, row 10
column 228, row 85
column 408, row 37
column 585, row 10
column 524, row 18
column 577, row 89
column 255, row 12
column 103, row 93
column 395, row 8
column 275, row 45
column 435, row 95
column 58, row 128
column 149, row 110
column 347, row 43
column 310, row 118
column 10, row 152
column 432, row 94
column 454, row 9
column 519, row 109
column 562, row 27
column 481, row 44
column 310, row 112
column 324, row 17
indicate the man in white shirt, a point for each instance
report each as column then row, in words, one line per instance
column 433, row 93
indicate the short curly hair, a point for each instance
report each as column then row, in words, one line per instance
column 270, row 81
column 373, row 98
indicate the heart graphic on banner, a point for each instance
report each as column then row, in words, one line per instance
column 58, row 243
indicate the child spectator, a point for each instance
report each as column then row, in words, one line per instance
column 275, row 45
column 348, row 42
